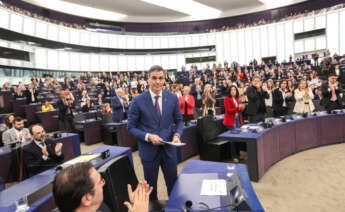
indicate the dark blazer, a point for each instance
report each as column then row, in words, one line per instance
column 256, row 100
column 33, row 160
column 117, row 108
column 194, row 93
column 63, row 112
column 142, row 119
column 327, row 95
column 278, row 101
column 28, row 96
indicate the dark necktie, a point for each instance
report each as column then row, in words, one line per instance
column 158, row 110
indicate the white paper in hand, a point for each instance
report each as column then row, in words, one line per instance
column 173, row 144
column 213, row 187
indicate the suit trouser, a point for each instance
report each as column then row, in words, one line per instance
column 169, row 168
column 257, row 118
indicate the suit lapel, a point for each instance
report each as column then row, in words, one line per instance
column 150, row 105
column 164, row 104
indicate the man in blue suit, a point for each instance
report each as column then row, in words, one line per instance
column 155, row 116
column 118, row 106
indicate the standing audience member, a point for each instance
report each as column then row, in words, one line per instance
column 208, row 101
column 17, row 133
column 269, row 101
column 65, row 115
column 233, row 117
column 31, row 94
column 187, row 105
column 118, row 104
column 107, row 109
column 41, row 154
column 331, row 90
column 304, row 98
column 256, row 108
column 281, row 98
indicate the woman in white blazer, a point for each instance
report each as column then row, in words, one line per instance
column 304, row 98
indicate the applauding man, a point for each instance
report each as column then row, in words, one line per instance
column 41, row 154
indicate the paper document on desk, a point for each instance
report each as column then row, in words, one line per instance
column 82, row 158
column 213, row 187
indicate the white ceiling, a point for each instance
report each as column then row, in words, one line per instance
column 140, row 11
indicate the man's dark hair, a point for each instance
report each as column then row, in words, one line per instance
column 71, row 184
column 34, row 125
column 17, row 119
column 156, row 68
column 7, row 121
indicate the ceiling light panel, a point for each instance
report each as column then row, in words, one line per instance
column 188, row 7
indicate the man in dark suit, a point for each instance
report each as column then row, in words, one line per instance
column 41, row 154
column 65, row 116
column 256, row 101
column 331, row 90
column 196, row 91
column 31, row 94
column 118, row 105
column 155, row 116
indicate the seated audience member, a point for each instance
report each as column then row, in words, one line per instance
column 99, row 99
column 134, row 92
column 6, row 87
column 256, row 108
column 187, row 105
column 331, row 90
column 41, row 154
column 304, row 98
column 208, row 101
column 17, row 133
column 88, row 106
column 233, row 117
column 8, row 121
column 281, row 98
column 47, row 106
column 79, row 188
column 107, row 109
column 118, row 104
column 31, row 94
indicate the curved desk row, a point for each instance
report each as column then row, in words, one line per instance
column 273, row 144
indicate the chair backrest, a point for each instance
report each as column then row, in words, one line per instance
column 108, row 118
column 117, row 173
column 207, row 128
column 79, row 117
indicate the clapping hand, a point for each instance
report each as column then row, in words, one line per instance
column 44, row 151
column 139, row 199
column 58, row 148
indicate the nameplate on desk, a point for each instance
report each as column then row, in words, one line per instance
column 213, row 187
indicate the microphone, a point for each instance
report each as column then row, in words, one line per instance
column 188, row 204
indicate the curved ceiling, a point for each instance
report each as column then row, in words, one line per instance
column 149, row 11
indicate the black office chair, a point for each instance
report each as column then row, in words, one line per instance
column 117, row 173
column 79, row 127
column 109, row 132
column 211, row 147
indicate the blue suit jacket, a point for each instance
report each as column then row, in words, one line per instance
column 117, row 109
column 142, row 119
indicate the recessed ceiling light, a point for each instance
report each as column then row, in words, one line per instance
column 188, row 7
column 79, row 10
